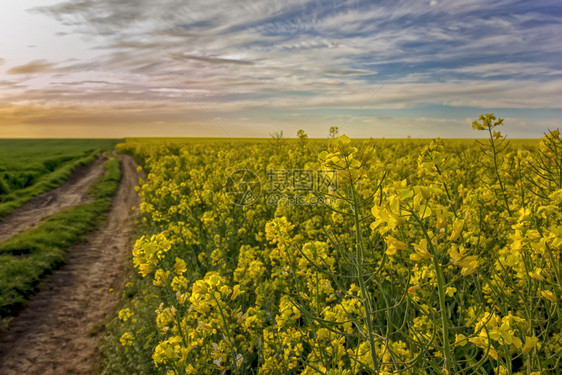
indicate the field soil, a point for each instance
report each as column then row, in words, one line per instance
column 73, row 192
column 58, row 331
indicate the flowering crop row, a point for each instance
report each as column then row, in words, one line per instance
column 438, row 257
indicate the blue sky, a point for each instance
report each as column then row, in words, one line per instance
column 80, row 68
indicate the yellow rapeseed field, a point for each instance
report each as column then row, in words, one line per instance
column 348, row 257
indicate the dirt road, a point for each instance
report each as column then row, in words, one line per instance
column 73, row 192
column 55, row 334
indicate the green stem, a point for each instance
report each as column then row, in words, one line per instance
column 449, row 359
column 495, row 158
column 359, row 255
column 227, row 335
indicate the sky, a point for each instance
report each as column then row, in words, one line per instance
column 250, row 68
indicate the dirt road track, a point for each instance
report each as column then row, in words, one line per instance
column 53, row 335
column 73, row 192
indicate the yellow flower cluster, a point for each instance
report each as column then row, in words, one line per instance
column 148, row 251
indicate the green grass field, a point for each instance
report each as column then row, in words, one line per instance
column 29, row 167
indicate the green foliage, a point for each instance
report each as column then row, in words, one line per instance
column 114, row 358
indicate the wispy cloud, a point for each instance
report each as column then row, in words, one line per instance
column 260, row 56
column 35, row 66
column 212, row 60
